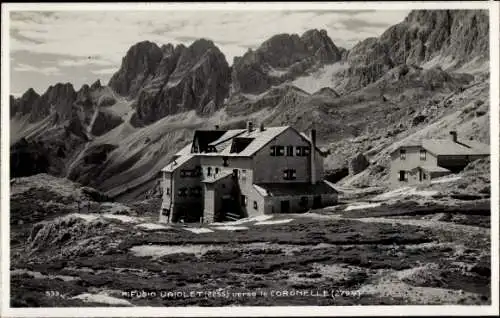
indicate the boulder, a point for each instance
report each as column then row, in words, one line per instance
column 358, row 163
column 418, row 120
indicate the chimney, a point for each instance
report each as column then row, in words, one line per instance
column 453, row 135
column 261, row 126
column 249, row 126
column 313, row 156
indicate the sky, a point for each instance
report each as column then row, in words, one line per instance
column 79, row 47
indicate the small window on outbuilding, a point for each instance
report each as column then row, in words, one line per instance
column 255, row 205
column 423, row 154
column 402, row 154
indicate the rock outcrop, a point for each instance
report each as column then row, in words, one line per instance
column 186, row 78
column 445, row 38
column 138, row 65
column 280, row 58
column 358, row 164
column 460, row 35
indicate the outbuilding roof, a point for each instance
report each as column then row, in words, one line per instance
column 432, row 168
column 448, row 147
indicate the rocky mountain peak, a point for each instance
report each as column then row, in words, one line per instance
column 424, row 35
column 137, row 66
column 167, row 48
column 29, row 94
column 60, row 92
column 282, row 57
column 196, row 78
column 96, row 85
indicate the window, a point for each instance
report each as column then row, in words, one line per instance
column 166, row 212
column 197, row 171
column 277, row 151
column 402, row 175
column 224, row 161
column 209, row 171
column 243, row 200
column 216, row 170
column 303, row 202
column 281, row 150
column 211, row 149
column 289, row 174
column 303, row 151
column 423, row 154
column 289, row 151
column 183, row 192
column 235, row 173
column 255, row 205
column 425, row 176
column 195, row 192
column 168, row 191
column 402, row 154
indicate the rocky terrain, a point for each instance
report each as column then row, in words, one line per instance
column 85, row 164
column 418, row 247
column 428, row 73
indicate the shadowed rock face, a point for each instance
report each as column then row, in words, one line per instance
column 252, row 74
column 460, row 34
column 370, row 88
column 23, row 105
column 452, row 37
column 57, row 99
column 186, row 78
column 138, row 65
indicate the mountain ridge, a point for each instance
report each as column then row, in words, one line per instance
column 192, row 87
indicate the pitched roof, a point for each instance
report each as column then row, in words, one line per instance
column 306, row 137
column 435, row 169
column 295, row 188
column 228, row 135
column 449, row 147
column 431, row 168
column 176, row 163
column 185, row 150
column 260, row 139
column 222, row 141
column 205, row 137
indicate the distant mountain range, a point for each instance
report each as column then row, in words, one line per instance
column 117, row 137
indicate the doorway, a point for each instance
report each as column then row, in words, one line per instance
column 317, row 202
column 402, row 175
column 285, row 206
